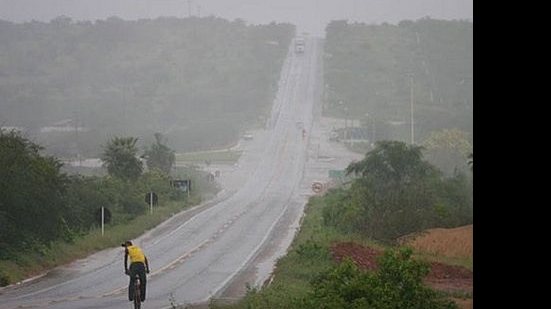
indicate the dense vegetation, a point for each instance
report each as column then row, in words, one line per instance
column 40, row 206
column 395, row 192
column 198, row 81
column 370, row 71
column 398, row 283
column 32, row 192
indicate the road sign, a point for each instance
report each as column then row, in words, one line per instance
column 317, row 187
column 106, row 215
column 149, row 199
column 183, row 184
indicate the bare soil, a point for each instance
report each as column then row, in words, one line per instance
column 455, row 243
column 447, row 278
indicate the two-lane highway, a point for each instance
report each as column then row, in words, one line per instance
column 197, row 254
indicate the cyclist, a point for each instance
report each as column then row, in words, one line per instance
column 138, row 265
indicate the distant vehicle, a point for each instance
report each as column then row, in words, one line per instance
column 247, row 136
column 334, row 136
column 299, row 45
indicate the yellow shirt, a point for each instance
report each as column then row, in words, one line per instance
column 135, row 254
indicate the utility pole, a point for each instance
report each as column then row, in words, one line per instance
column 151, row 202
column 411, row 107
column 345, row 114
column 189, row 7
column 102, row 220
column 411, row 111
column 75, row 121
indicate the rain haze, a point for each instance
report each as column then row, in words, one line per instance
column 233, row 146
column 308, row 15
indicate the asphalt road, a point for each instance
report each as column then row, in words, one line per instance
column 199, row 253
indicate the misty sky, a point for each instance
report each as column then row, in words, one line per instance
column 309, row 15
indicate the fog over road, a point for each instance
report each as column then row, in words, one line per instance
column 235, row 238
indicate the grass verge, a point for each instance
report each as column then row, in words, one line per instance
column 308, row 256
column 30, row 264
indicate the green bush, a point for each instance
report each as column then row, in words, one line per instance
column 32, row 189
column 312, row 250
column 396, row 284
column 397, row 192
column 340, row 212
column 84, row 197
column 133, row 205
column 4, row 280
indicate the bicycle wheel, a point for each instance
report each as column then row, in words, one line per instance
column 137, row 296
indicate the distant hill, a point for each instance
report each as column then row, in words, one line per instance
column 199, row 81
column 371, row 72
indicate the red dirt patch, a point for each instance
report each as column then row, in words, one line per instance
column 363, row 257
column 441, row 277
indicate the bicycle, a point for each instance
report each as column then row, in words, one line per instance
column 137, row 297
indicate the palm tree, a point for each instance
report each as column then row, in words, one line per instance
column 120, row 158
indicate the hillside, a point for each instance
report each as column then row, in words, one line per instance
column 374, row 72
column 199, row 81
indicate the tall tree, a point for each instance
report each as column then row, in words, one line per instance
column 397, row 192
column 392, row 161
column 159, row 156
column 120, row 158
column 394, row 194
column 31, row 193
